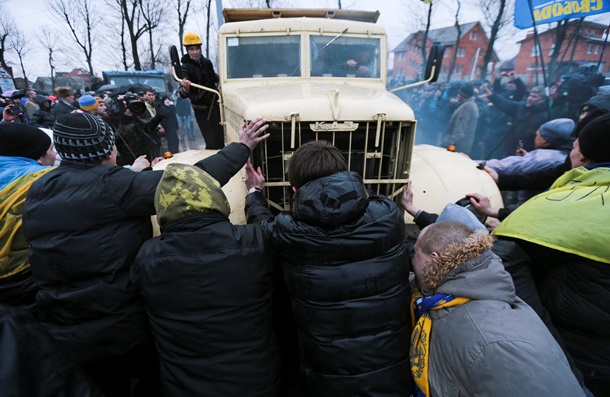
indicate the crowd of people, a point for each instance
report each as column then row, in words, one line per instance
column 145, row 122
column 331, row 298
column 506, row 112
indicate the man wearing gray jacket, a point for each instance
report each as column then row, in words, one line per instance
column 474, row 336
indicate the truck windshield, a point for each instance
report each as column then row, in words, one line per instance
column 264, row 56
column 345, row 56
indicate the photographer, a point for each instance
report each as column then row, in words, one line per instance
column 14, row 113
column 135, row 135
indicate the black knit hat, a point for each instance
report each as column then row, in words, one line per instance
column 594, row 139
column 23, row 140
column 82, row 137
column 467, row 90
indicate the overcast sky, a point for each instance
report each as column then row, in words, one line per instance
column 397, row 16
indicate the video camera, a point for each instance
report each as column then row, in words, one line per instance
column 116, row 107
column 16, row 109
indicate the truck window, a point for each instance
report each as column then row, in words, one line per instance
column 345, row 56
column 264, row 56
column 157, row 83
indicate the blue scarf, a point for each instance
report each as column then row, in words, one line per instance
column 420, row 338
column 12, row 168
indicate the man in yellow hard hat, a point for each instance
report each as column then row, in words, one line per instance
column 199, row 70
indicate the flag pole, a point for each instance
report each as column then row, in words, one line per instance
column 537, row 43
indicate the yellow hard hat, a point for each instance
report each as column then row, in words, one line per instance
column 191, row 38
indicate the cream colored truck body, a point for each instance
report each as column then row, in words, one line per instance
column 275, row 64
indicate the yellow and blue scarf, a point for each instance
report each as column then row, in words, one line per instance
column 420, row 338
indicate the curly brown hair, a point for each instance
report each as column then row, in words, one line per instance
column 455, row 243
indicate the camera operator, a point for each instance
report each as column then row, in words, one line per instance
column 135, row 134
column 14, row 113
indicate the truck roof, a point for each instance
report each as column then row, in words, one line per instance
column 133, row 72
column 248, row 14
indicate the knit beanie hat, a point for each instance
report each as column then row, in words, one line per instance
column 23, row 140
column 594, row 139
column 187, row 190
column 557, row 131
column 467, row 90
column 82, row 137
column 87, row 103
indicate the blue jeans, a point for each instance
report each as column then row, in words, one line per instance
column 186, row 123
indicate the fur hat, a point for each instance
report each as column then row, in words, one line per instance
column 187, row 190
column 64, row 92
column 557, row 131
column 82, row 137
column 594, row 139
column 23, row 140
column 467, row 90
column 87, row 103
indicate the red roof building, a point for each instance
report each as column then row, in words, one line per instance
column 470, row 52
column 583, row 46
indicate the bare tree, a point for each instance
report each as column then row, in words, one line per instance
column 49, row 40
column 497, row 16
column 80, row 18
column 182, row 8
column 561, row 31
column 424, row 53
column 152, row 12
column 7, row 28
column 207, row 29
column 131, row 15
column 456, row 48
column 574, row 38
column 19, row 45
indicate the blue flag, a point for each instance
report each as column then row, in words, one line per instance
column 547, row 11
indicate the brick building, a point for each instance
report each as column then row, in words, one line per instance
column 470, row 52
column 581, row 47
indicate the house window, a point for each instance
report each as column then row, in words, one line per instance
column 535, row 51
column 552, row 49
column 474, row 35
column 596, row 49
column 461, row 52
column 590, row 49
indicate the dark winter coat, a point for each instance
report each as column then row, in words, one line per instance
column 526, row 120
column 199, row 72
column 346, row 269
column 43, row 116
column 207, row 287
column 85, row 224
column 575, row 291
column 32, row 365
column 136, row 136
column 60, row 108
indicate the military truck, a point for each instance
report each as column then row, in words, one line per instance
column 322, row 74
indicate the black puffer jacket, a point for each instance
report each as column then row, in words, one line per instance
column 32, row 365
column 85, row 224
column 207, row 287
column 199, row 72
column 576, row 292
column 346, row 269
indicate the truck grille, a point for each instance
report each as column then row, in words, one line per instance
column 379, row 151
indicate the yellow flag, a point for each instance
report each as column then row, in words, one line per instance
column 573, row 216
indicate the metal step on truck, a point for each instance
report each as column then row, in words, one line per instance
column 322, row 74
